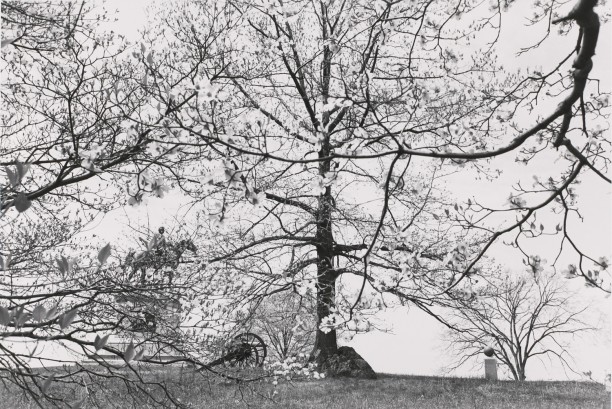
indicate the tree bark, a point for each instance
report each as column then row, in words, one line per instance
column 521, row 374
column 325, row 343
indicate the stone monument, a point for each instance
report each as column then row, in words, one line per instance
column 490, row 364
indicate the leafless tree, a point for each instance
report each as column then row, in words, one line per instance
column 520, row 318
column 43, row 26
column 310, row 107
column 286, row 322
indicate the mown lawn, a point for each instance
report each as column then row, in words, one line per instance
column 422, row 393
column 389, row 391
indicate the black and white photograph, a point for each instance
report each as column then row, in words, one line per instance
column 305, row 204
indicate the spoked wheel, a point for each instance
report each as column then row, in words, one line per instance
column 246, row 350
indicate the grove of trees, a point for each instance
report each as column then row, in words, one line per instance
column 310, row 141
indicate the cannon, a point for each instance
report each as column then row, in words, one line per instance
column 244, row 350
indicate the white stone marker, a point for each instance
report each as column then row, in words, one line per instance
column 490, row 369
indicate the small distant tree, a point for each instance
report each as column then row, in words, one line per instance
column 519, row 317
column 286, row 322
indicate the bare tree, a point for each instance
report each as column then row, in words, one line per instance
column 43, row 26
column 520, row 317
column 338, row 121
column 286, row 322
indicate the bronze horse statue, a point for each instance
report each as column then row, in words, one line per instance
column 160, row 254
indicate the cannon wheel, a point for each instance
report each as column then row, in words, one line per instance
column 254, row 351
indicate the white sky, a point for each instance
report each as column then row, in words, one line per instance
column 413, row 351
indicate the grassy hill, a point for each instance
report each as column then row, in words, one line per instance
column 389, row 391
column 424, row 393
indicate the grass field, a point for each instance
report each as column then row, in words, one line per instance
column 389, row 391
column 423, row 393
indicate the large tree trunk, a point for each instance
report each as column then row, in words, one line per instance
column 335, row 362
column 325, row 343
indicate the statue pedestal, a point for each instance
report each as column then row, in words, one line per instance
column 490, row 369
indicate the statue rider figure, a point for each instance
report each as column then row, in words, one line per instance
column 162, row 257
